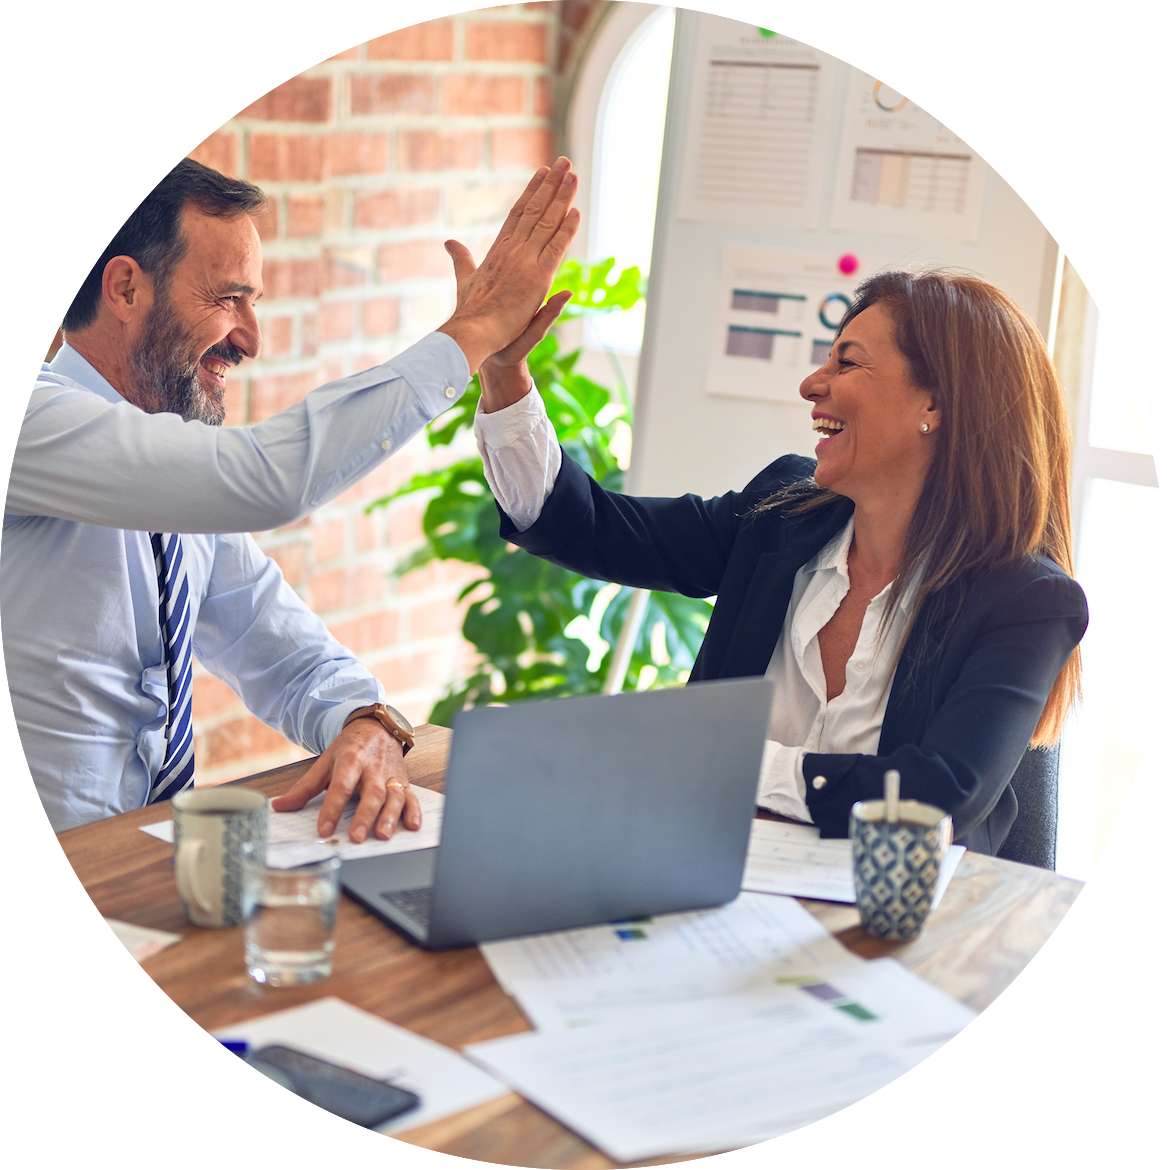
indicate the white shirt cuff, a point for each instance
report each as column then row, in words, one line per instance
column 781, row 787
column 520, row 456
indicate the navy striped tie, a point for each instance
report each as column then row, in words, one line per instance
column 177, row 770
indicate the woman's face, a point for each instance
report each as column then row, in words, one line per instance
column 870, row 414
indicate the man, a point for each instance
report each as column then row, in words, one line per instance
column 123, row 546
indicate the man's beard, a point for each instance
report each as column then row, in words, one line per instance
column 164, row 366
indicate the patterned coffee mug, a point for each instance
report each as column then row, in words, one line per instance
column 897, row 866
column 218, row 832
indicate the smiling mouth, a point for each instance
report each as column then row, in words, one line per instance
column 217, row 369
column 827, row 426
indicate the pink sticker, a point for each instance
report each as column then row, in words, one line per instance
column 848, row 263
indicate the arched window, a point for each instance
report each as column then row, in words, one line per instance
column 616, row 131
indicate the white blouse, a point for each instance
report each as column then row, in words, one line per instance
column 521, row 458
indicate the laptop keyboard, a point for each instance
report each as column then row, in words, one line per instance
column 415, row 903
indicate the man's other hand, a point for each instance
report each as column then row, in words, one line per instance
column 498, row 299
column 363, row 758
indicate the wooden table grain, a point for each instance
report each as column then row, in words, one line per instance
column 995, row 916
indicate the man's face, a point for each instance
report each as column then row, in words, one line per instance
column 202, row 323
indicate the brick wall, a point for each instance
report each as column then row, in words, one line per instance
column 372, row 159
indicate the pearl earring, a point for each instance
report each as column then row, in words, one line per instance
column 923, row 428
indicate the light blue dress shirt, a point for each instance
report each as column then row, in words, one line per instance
column 92, row 476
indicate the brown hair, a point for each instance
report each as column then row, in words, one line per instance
column 998, row 488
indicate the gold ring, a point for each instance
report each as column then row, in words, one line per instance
column 394, row 784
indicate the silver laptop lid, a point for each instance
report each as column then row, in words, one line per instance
column 577, row 811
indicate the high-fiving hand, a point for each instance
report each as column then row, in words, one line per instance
column 498, row 299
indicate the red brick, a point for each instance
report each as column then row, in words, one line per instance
column 404, row 524
column 434, row 619
column 292, row 560
column 437, row 150
column 371, row 631
column 309, row 342
column 432, row 41
column 413, row 260
column 542, row 103
column 476, row 203
column 236, row 740
column 573, row 14
column 397, row 207
column 515, row 146
column 305, row 216
column 419, row 581
column 235, row 402
column 267, row 221
column 302, row 99
column 277, row 392
column 345, row 267
column 356, row 154
column 353, row 54
column 380, row 316
column 391, row 93
column 335, row 589
column 291, row 278
column 277, row 336
column 411, row 672
column 286, row 158
column 329, row 371
column 506, row 40
column 335, row 320
column 220, row 152
column 476, row 95
column 212, row 696
column 330, row 539
column 368, row 531
column 371, row 358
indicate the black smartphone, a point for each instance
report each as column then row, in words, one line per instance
column 351, row 1095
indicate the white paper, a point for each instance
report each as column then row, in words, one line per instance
column 778, row 309
column 791, row 859
column 141, row 941
column 333, row 1030
column 755, row 147
column 292, row 838
column 703, row 1075
column 902, row 172
column 752, row 932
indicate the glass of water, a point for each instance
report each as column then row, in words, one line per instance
column 292, row 914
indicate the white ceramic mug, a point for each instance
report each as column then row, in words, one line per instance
column 217, row 833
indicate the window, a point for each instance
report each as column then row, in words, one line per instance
column 1119, row 560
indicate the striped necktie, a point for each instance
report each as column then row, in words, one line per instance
column 177, row 770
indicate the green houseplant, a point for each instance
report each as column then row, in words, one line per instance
column 542, row 631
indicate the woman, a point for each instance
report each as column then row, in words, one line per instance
column 910, row 592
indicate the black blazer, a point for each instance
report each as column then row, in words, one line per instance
column 964, row 702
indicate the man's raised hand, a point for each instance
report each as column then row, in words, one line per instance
column 498, row 299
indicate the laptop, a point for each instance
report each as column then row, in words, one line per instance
column 578, row 811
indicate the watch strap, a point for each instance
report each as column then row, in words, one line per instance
column 393, row 721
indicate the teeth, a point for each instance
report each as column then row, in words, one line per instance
column 217, row 368
column 827, row 426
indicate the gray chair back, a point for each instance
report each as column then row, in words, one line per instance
column 1033, row 840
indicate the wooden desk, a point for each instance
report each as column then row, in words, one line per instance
column 993, row 919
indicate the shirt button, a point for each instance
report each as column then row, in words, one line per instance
column 385, row 444
column 819, row 782
column 860, row 667
column 450, row 391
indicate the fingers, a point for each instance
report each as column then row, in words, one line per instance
column 556, row 247
column 464, row 265
column 547, row 206
column 400, row 809
column 516, row 212
column 313, row 781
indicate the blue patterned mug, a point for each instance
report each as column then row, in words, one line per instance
column 897, row 866
column 218, row 833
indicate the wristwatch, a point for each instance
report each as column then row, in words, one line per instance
column 393, row 721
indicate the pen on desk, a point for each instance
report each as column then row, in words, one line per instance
column 239, row 1047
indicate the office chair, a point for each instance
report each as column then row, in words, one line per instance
column 1033, row 840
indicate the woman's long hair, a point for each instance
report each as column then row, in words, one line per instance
column 998, row 488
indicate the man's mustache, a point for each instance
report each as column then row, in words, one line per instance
column 225, row 352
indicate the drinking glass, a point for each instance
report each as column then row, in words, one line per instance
column 292, row 914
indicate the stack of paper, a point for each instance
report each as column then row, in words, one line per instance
column 791, row 859
column 708, row 1030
